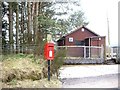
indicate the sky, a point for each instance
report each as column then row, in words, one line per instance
column 96, row 12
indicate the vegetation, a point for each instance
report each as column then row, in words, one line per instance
column 20, row 68
column 59, row 61
column 25, row 26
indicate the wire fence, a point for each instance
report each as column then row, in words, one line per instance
column 26, row 48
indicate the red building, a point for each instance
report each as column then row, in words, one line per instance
column 81, row 37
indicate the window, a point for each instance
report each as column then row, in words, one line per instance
column 77, row 42
column 70, row 39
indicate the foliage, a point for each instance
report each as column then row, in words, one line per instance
column 69, row 16
column 46, row 24
column 58, row 61
column 76, row 20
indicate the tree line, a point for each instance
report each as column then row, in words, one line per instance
column 25, row 25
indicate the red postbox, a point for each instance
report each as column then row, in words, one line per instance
column 49, row 51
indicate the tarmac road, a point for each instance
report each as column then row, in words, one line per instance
column 89, row 76
column 105, row 81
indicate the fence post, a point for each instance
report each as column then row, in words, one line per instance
column 89, row 48
column 102, row 49
column 66, row 49
column 84, row 52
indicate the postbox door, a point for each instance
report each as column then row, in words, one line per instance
column 49, row 51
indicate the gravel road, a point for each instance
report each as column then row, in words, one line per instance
column 89, row 76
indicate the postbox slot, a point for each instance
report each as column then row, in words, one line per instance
column 50, row 46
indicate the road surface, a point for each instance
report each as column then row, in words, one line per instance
column 89, row 76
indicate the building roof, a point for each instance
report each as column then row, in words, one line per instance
column 81, row 28
column 96, row 35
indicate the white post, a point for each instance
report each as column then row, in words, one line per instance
column 89, row 47
column 84, row 52
column 102, row 50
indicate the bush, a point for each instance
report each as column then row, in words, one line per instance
column 58, row 61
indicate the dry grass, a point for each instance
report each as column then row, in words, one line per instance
column 27, row 83
column 23, row 71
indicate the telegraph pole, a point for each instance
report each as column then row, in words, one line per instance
column 108, row 36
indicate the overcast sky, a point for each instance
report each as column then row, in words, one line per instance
column 96, row 12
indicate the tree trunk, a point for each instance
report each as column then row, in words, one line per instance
column 36, row 31
column 33, row 19
column 25, row 27
column 36, row 21
column 22, row 38
column 17, row 28
column 10, row 27
column 0, row 28
column 29, row 27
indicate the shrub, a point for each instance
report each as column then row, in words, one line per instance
column 58, row 61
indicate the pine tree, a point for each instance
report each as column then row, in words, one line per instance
column 17, row 28
column 0, row 28
column 29, row 39
column 11, row 27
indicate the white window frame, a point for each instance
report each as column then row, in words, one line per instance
column 70, row 39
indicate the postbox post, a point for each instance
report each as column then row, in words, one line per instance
column 48, row 70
